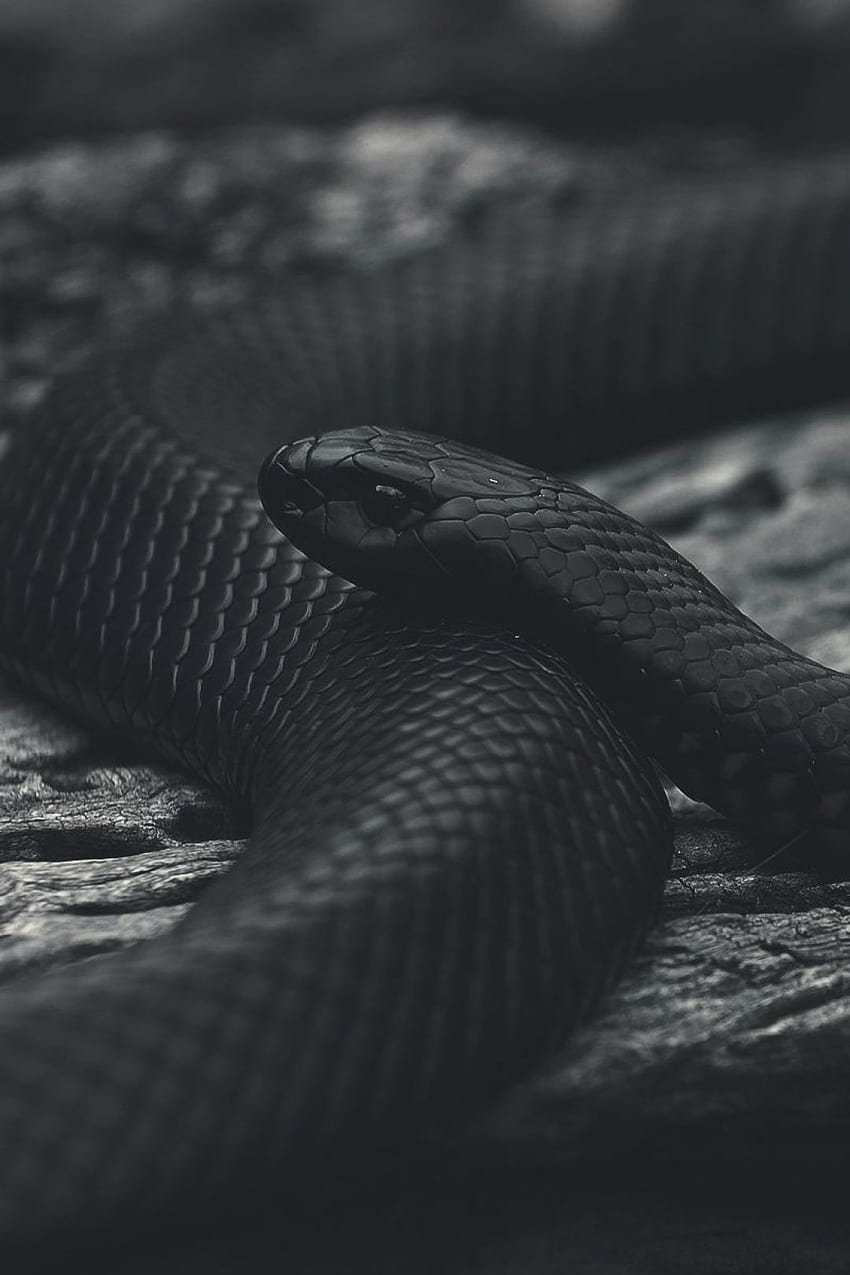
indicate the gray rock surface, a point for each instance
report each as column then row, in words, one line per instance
column 731, row 1035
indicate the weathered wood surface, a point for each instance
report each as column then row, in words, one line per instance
column 732, row 1032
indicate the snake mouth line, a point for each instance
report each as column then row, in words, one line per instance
column 287, row 494
column 441, row 570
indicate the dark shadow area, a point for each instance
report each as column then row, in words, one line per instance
column 633, row 1219
column 72, row 68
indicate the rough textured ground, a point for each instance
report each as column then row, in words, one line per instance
column 731, row 1036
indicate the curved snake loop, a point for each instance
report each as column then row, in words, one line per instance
column 455, row 848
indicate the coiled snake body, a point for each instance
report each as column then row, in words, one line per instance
column 455, row 848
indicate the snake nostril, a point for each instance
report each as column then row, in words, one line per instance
column 283, row 493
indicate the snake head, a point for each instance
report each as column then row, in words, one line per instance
column 392, row 509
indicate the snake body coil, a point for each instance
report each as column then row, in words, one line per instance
column 455, row 848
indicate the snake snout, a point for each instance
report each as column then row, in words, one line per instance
column 285, row 493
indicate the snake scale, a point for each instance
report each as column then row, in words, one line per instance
column 456, row 847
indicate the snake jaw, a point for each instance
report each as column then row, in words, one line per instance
column 285, row 494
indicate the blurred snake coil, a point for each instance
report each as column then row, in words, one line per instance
column 456, row 848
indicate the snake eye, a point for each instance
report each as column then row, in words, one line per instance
column 384, row 505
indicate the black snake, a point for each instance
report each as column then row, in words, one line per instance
column 455, row 848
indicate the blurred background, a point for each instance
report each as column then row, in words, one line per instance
column 74, row 67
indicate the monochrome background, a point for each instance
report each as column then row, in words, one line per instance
column 173, row 149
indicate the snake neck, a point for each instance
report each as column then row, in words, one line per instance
column 734, row 716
